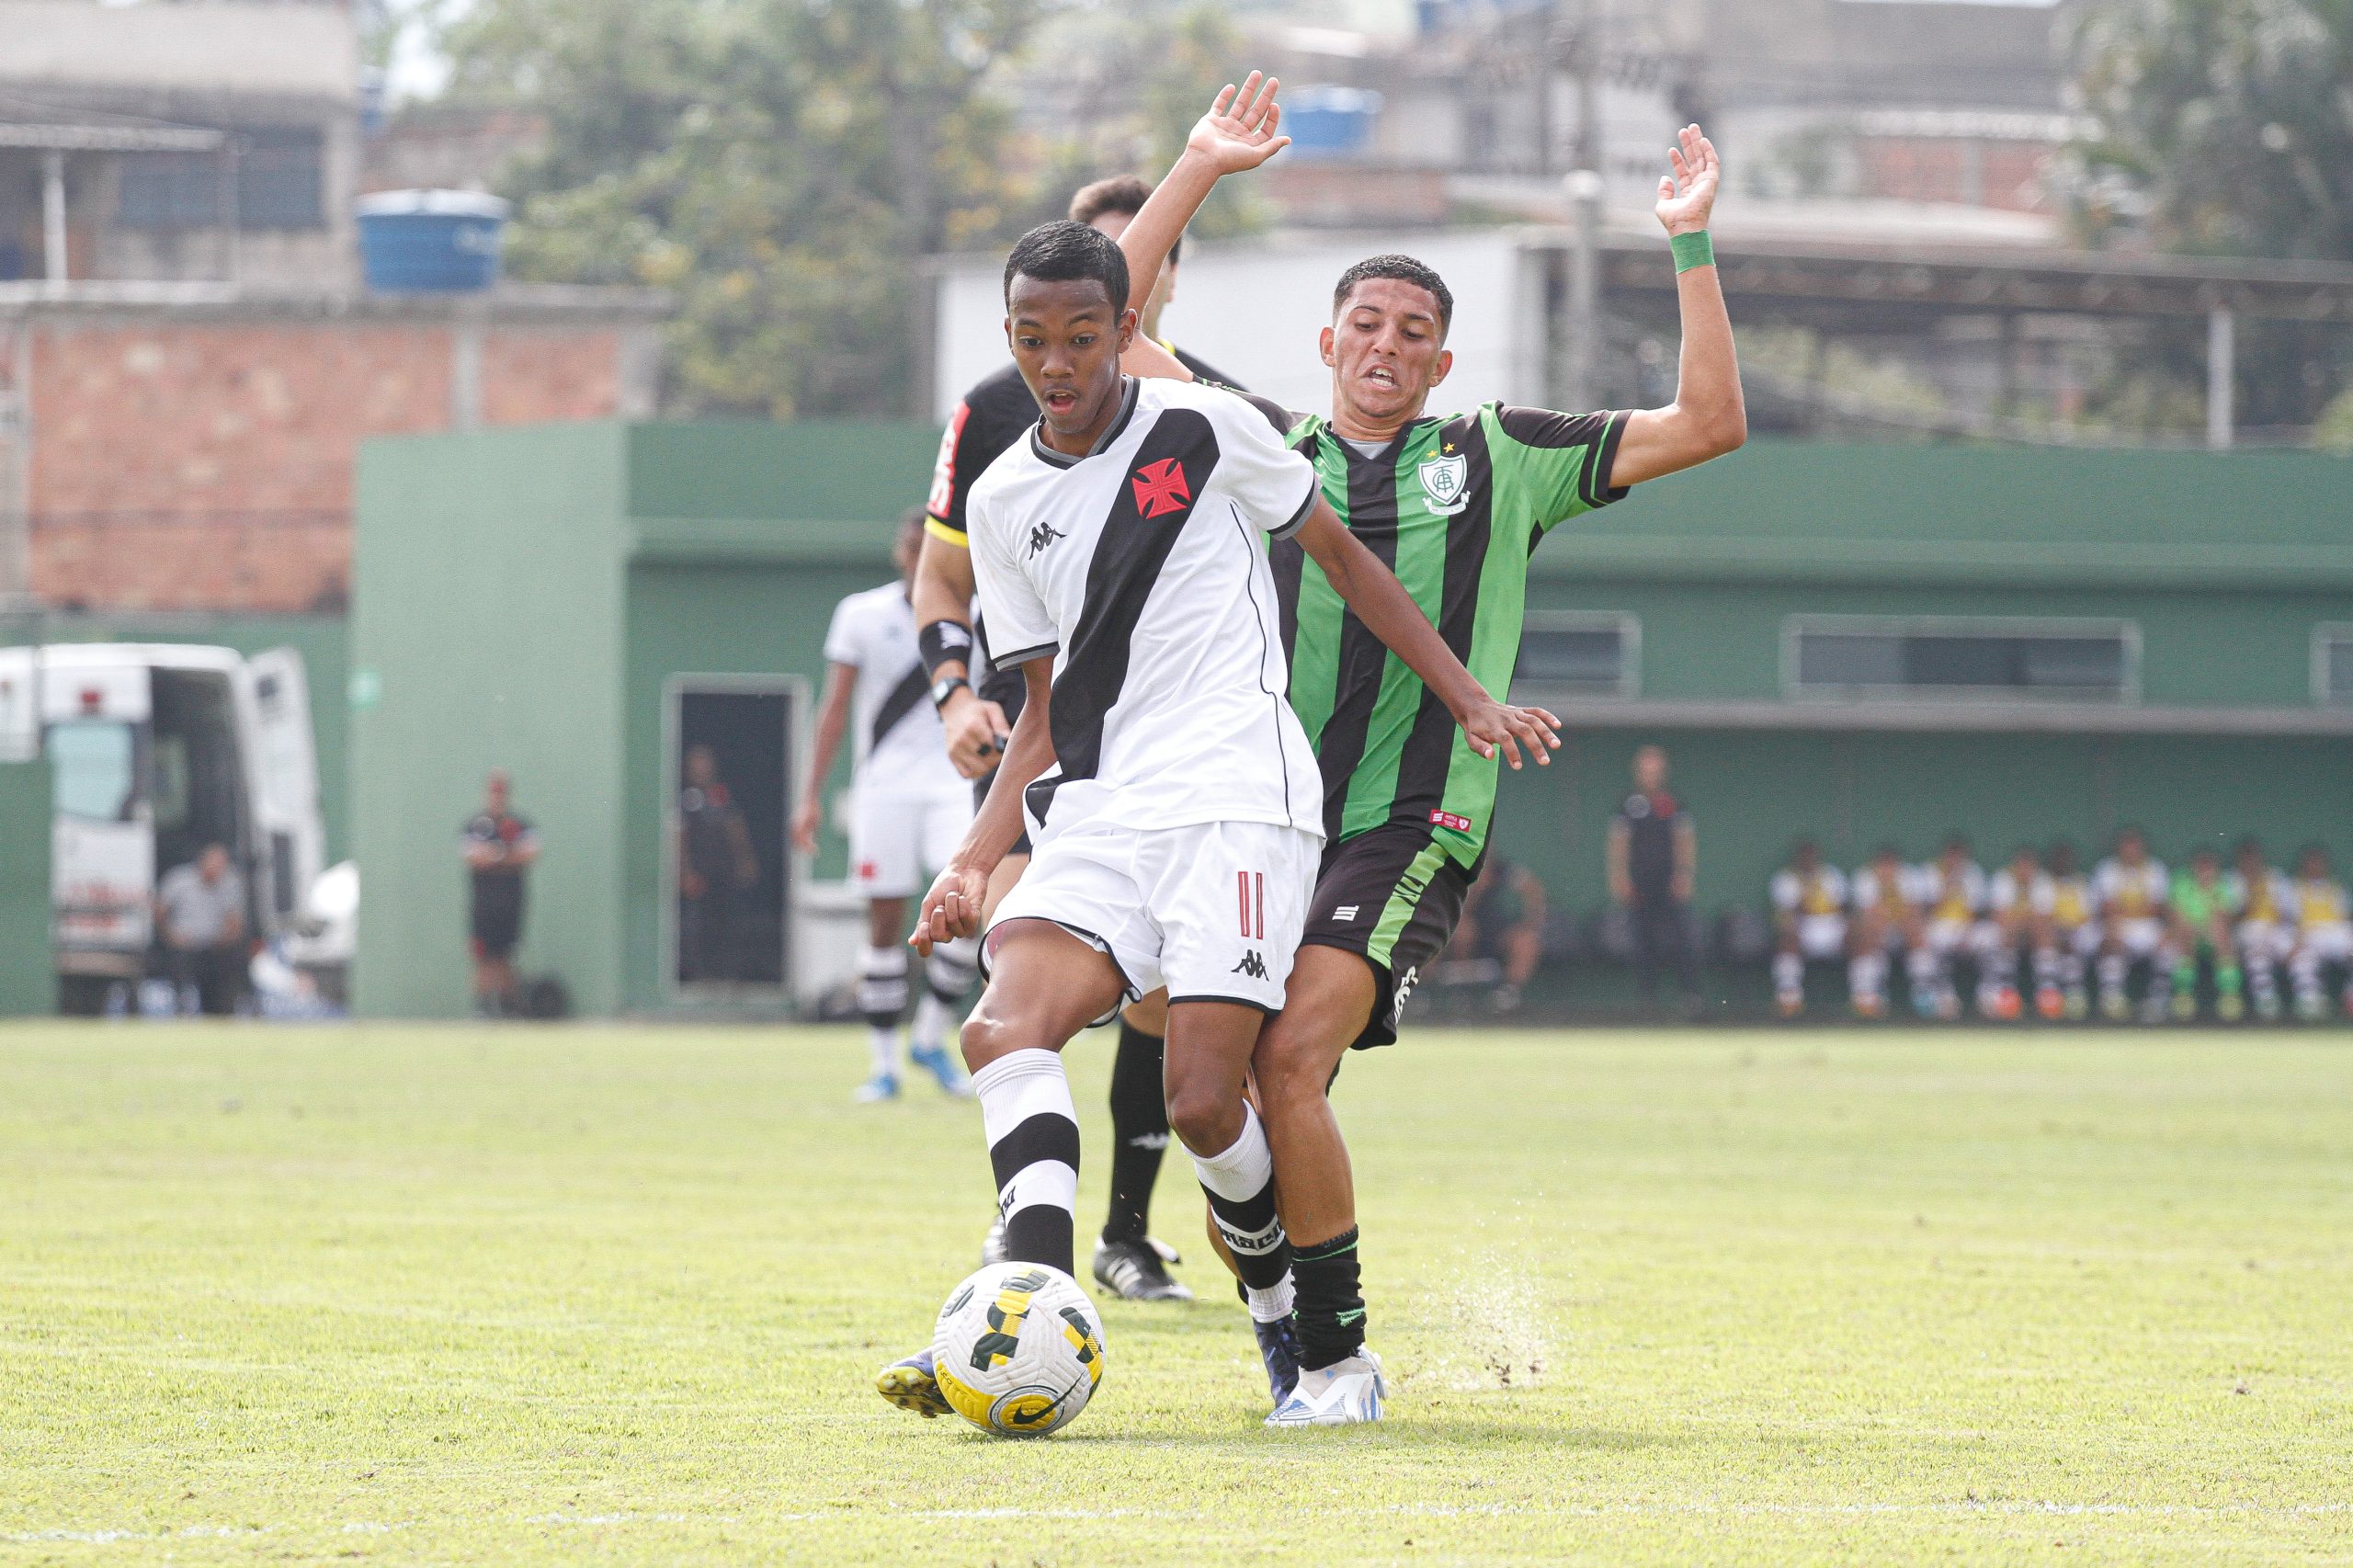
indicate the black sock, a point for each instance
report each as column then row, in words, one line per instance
column 1138, row 1133
column 1331, row 1301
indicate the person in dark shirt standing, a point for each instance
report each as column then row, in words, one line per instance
column 498, row 846
column 1653, row 853
column 716, row 868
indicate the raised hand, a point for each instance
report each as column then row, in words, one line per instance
column 1493, row 726
column 1239, row 132
column 1689, row 195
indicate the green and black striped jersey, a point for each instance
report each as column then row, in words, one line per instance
column 1455, row 508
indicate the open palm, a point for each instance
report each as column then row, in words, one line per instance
column 1239, row 132
column 1689, row 195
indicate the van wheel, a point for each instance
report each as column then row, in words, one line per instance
column 82, row 995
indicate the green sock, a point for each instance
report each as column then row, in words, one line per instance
column 2226, row 979
column 2184, row 974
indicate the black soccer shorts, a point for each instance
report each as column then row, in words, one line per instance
column 1393, row 896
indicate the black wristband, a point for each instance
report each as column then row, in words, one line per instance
column 941, row 641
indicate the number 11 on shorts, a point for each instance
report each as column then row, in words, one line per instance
column 1254, row 903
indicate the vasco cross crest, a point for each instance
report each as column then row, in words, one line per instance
column 1446, row 483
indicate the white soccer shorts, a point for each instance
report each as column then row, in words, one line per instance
column 1946, row 936
column 2331, row 943
column 2140, row 935
column 900, row 838
column 2266, row 939
column 1821, row 936
column 1212, row 911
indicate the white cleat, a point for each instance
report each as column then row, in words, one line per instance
column 1346, row 1393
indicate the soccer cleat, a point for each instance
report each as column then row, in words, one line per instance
column 2114, row 1007
column 1789, row 1006
column 2184, row 1005
column 1870, row 1006
column 1925, row 1003
column 2158, row 1009
column 1134, row 1271
column 2310, row 1009
column 1278, row 1349
column 935, row 1062
column 2002, row 1004
column 2267, row 1007
column 2079, row 1003
column 2230, row 1007
column 992, row 1244
column 1346, row 1393
column 910, row 1385
column 880, row 1088
column 2050, row 1004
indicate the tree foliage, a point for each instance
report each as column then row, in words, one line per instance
column 775, row 164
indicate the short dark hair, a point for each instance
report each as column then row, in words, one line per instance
column 1122, row 193
column 1405, row 269
column 1065, row 251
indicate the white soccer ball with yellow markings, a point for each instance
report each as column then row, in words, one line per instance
column 1018, row 1349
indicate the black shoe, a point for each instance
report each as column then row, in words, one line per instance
column 1278, row 1347
column 1136, row 1272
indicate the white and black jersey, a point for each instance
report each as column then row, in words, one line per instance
column 899, row 744
column 1142, row 568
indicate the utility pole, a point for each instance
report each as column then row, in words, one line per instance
column 1584, row 187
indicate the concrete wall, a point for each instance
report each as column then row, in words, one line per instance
column 28, row 978
column 488, row 621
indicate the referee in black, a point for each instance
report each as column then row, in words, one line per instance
column 1653, row 853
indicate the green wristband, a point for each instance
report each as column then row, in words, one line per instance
column 1691, row 250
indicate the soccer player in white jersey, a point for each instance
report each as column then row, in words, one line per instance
column 1809, row 923
column 2132, row 887
column 1954, row 890
column 1169, row 791
column 2324, row 934
column 2022, row 898
column 909, row 810
column 2264, row 902
column 1886, row 898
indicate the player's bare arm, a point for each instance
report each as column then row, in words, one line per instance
column 958, row 898
column 1706, row 418
column 943, row 591
column 1239, row 132
column 1389, row 612
column 833, row 721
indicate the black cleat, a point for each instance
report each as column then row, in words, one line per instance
column 1278, row 1347
column 1135, row 1272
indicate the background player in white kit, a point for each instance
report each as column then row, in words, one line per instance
column 1809, row 923
column 2023, row 900
column 909, row 807
column 1955, row 926
column 2131, row 888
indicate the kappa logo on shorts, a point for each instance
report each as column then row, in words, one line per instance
column 1161, row 488
column 1252, row 966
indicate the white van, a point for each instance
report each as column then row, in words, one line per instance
column 157, row 750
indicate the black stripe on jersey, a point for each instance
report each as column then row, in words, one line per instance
column 1128, row 557
column 1428, row 752
column 1355, row 687
column 913, row 687
column 1288, row 557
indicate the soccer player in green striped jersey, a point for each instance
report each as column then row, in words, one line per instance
column 1454, row 505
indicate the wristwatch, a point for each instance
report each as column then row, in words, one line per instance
column 946, row 686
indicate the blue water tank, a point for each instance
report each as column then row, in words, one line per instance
column 1329, row 122
column 429, row 242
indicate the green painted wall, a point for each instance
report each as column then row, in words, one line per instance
column 488, row 617
column 28, row 977
column 524, row 596
column 323, row 640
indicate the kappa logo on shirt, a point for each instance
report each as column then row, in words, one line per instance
column 1161, row 488
column 1041, row 536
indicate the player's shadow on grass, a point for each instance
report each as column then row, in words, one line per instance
column 1410, row 1430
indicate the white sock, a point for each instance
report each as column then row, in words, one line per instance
column 931, row 1023
column 1272, row 1304
column 1239, row 1184
column 884, row 1045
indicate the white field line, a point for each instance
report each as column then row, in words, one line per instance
column 1414, row 1510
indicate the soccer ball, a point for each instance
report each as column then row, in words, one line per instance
column 1018, row 1349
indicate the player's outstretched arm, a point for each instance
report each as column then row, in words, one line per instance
column 954, row 906
column 1238, row 134
column 1706, row 418
column 1381, row 602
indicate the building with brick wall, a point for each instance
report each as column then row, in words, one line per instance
column 191, row 448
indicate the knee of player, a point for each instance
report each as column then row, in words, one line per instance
column 1207, row 1120
column 984, row 1038
column 1290, row 1064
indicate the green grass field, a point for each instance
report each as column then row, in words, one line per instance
column 615, row 1295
